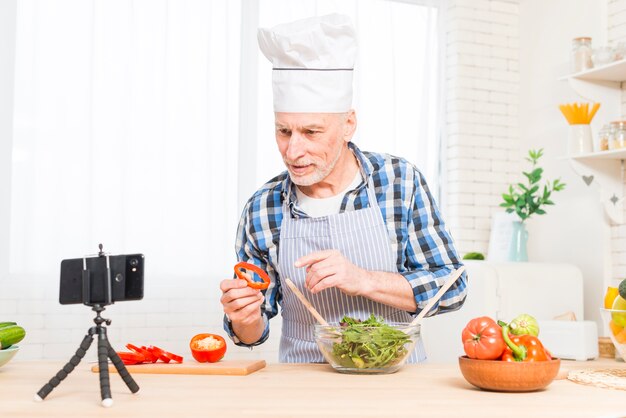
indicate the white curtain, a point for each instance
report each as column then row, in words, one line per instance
column 126, row 133
column 127, row 119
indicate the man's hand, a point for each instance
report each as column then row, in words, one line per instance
column 241, row 303
column 329, row 268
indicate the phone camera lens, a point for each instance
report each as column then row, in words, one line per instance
column 134, row 262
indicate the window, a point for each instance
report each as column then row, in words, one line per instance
column 126, row 117
column 129, row 121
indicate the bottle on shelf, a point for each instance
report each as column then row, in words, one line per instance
column 618, row 135
column 604, row 138
column 581, row 54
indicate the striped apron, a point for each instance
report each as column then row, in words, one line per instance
column 362, row 237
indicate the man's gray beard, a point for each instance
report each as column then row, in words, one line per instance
column 317, row 176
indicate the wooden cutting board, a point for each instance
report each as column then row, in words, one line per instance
column 224, row 367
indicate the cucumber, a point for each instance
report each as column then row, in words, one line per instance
column 473, row 256
column 10, row 335
column 6, row 324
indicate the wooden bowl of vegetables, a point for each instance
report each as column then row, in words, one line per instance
column 505, row 376
column 366, row 347
column 506, row 357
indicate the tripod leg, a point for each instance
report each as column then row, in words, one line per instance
column 105, row 388
column 67, row 369
column 121, row 369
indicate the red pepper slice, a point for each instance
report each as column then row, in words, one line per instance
column 156, row 355
column 150, row 354
column 142, row 350
column 164, row 356
column 207, row 355
column 174, row 357
column 131, row 357
column 251, row 283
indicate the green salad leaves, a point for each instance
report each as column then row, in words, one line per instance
column 369, row 344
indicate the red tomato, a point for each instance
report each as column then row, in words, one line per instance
column 207, row 348
column 482, row 339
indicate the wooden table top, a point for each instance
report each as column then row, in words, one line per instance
column 303, row 390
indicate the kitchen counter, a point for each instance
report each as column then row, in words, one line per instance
column 309, row 390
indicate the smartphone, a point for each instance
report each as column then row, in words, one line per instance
column 126, row 279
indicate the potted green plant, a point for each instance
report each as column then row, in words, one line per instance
column 527, row 200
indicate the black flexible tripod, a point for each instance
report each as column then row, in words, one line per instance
column 105, row 351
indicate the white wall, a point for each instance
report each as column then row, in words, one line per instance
column 505, row 58
column 7, row 58
column 616, row 32
column 482, row 104
column 168, row 316
column 574, row 230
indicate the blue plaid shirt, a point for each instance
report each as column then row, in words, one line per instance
column 424, row 249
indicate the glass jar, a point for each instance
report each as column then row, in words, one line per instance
column 603, row 56
column 619, row 51
column 618, row 134
column 581, row 54
column 604, row 137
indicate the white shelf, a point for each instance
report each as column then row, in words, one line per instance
column 615, row 71
column 604, row 169
column 617, row 154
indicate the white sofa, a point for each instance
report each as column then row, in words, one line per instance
column 503, row 291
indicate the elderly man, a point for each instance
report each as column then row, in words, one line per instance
column 357, row 232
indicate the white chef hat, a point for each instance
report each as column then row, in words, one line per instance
column 313, row 62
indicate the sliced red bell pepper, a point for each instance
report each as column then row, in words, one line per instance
column 131, row 357
column 150, row 354
column 174, row 357
column 251, row 283
column 156, row 353
column 153, row 356
column 207, row 348
column 149, row 357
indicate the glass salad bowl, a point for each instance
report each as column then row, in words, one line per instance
column 615, row 321
column 368, row 347
column 7, row 354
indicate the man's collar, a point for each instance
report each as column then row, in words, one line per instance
column 365, row 164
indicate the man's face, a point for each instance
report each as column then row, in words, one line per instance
column 311, row 143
